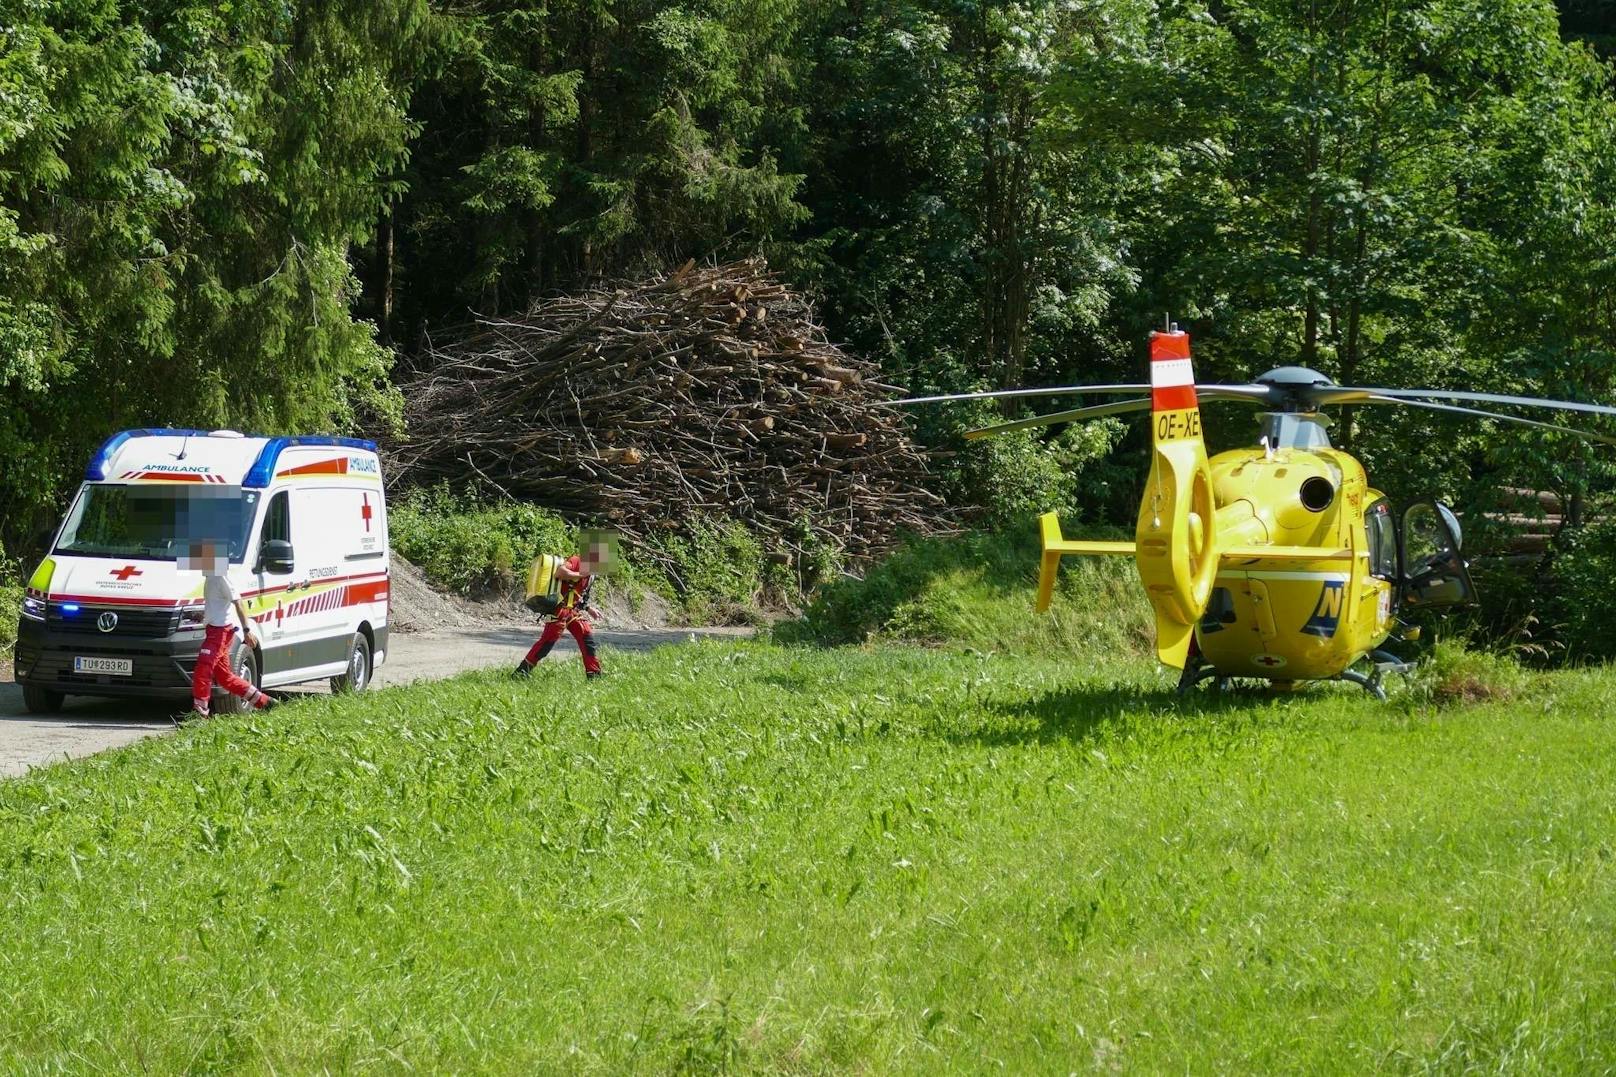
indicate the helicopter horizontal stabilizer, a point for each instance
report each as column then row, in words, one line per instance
column 1057, row 546
column 1236, row 556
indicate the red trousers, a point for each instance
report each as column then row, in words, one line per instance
column 213, row 667
column 581, row 630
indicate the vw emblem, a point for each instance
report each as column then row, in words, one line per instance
column 107, row 621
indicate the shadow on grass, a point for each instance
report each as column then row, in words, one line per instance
column 1078, row 714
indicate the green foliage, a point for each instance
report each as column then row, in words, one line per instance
column 567, row 141
column 1572, row 601
column 965, row 218
column 482, row 547
column 471, row 546
column 1017, row 476
column 1453, row 674
column 788, row 859
column 977, row 590
column 11, row 588
column 179, row 186
column 716, row 568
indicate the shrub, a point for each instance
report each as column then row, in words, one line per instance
column 10, row 598
column 473, row 547
column 1018, row 475
column 1580, row 592
column 716, row 567
column 1452, row 673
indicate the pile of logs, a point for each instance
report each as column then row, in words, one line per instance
column 1525, row 525
column 705, row 392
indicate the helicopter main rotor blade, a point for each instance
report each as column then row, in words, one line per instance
column 1095, row 412
column 1256, row 394
column 1005, row 394
column 1245, row 394
column 1479, row 414
column 1480, row 398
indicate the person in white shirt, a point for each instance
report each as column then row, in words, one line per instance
column 213, row 661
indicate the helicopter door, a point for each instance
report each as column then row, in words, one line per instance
column 1434, row 573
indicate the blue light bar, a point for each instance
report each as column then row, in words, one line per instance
column 263, row 469
column 97, row 471
column 69, row 607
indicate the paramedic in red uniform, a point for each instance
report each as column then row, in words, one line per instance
column 577, row 578
column 213, row 661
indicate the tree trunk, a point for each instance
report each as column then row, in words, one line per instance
column 384, row 256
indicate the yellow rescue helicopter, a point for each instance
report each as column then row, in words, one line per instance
column 1278, row 562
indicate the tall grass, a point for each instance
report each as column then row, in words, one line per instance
column 977, row 590
column 807, row 860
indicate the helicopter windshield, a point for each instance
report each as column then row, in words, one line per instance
column 1295, row 430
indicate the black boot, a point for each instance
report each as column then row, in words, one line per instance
column 523, row 668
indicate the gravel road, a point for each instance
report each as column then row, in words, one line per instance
column 86, row 726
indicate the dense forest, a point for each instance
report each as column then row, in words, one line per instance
column 256, row 214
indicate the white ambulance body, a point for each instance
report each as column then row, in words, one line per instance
column 112, row 611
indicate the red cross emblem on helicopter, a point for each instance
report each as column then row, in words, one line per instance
column 1269, row 661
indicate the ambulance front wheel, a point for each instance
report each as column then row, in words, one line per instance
column 244, row 660
column 40, row 700
column 357, row 679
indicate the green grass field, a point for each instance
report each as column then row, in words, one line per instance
column 801, row 860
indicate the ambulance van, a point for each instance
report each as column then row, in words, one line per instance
column 114, row 609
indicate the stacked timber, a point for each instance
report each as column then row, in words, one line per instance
column 1525, row 524
column 706, row 392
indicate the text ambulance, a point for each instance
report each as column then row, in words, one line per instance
column 114, row 611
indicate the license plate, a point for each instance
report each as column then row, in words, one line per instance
column 122, row 667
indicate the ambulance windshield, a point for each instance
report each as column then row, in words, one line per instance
column 157, row 522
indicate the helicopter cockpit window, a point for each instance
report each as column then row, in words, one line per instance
column 1434, row 572
column 1382, row 537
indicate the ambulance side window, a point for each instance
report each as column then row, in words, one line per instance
column 277, row 521
column 1382, row 540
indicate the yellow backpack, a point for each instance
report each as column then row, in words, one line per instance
column 543, row 585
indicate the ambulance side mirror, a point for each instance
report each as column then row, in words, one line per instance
column 276, row 557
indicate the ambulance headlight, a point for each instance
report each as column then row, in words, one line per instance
column 192, row 618
column 33, row 608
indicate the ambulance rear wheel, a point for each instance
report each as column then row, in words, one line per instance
column 357, row 679
column 40, row 700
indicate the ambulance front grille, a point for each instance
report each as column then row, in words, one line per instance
column 134, row 622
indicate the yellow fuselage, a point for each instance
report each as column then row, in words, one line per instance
column 1294, row 620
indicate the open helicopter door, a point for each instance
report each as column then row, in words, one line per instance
column 1434, row 570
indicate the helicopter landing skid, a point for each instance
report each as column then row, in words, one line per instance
column 1197, row 671
column 1381, row 663
column 1373, row 682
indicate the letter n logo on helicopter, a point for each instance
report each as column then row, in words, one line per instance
column 1327, row 614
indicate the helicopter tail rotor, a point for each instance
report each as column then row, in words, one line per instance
column 1176, row 534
